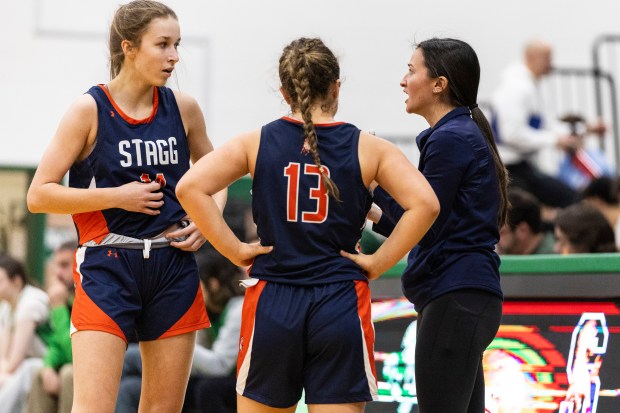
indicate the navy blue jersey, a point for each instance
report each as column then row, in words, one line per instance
column 294, row 214
column 126, row 150
column 458, row 251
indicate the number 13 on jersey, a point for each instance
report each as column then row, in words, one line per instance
column 317, row 193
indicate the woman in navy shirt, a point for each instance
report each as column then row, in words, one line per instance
column 452, row 275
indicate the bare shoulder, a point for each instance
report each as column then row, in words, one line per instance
column 246, row 142
column 80, row 118
column 373, row 143
column 187, row 103
column 84, row 105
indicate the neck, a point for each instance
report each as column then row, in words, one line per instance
column 130, row 90
column 437, row 112
column 317, row 114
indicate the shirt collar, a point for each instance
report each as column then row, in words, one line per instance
column 458, row 111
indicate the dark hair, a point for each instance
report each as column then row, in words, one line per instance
column 213, row 265
column 130, row 22
column 604, row 188
column 457, row 61
column 308, row 70
column 13, row 267
column 524, row 207
column 586, row 228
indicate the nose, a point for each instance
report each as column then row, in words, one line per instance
column 174, row 55
column 403, row 82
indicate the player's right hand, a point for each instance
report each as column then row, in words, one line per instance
column 141, row 197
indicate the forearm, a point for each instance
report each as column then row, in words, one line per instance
column 220, row 199
column 204, row 211
column 54, row 198
column 409, row 230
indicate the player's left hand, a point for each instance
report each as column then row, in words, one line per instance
column 366, row 262
column 246, row 253
column 191, row 235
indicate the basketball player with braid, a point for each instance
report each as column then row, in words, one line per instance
column 306, row 316
column 126, row 144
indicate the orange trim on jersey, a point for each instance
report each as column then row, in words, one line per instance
column 86, row 315
column 128, row 118
column 250, row 302
column 195, row 318
column 316, row 124
column 91, row 226
column 363, row 310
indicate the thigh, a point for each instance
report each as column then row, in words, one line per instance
column 272, row 345
column 247, row 405
column 97, row 365
column 172, row 301
column 453, row 331
column 165, row 371
column 106, row 294
column 339, row 362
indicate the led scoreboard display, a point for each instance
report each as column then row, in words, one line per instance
column 548, row 356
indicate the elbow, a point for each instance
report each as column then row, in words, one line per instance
column 182, row 190
column 33, row 201
column 433, row 207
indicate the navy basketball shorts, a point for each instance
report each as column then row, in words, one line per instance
column 120, row 292
column 317, row 338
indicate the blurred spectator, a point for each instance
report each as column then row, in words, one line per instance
column 522, row 130
column 24, row 332
column 525, row 232
column 602, row 193
column 212, row 380
column 52, row 388
column 581, row 228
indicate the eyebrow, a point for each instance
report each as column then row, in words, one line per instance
column 167, row 38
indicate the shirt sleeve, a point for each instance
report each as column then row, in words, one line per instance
column 33, row 306
column 391, row 212
column 446, row 160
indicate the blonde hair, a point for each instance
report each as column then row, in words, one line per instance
column 130, row 22
column 308, row 70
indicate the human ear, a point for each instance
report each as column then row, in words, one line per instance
column 285, row 95
column 128, row 48
column 336, row 89
column 441, row 84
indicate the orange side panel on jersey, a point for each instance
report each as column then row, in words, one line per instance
column 91, row 226
column 86, row 315
column 363, row 309
column 250, row 301
column 194, row 318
